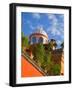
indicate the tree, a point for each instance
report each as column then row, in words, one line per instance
column 62, row 45
column 47, row 63
column 24, row 40
column 56, row 69
column 38, row 52
column 52, row 44
column 55, row 44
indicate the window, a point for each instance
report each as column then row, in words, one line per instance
column 40, row 40
column 33, row 40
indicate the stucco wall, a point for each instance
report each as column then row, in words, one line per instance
column 28, row 70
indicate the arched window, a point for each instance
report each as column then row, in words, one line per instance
column 33, row 40
column 40, row 40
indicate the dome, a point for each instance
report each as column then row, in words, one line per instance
column 41, row 31
column 39, row 36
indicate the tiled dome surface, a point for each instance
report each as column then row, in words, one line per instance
column 41, row 31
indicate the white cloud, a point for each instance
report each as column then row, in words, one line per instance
column 54, row 21
column 48, row 29
column 30, row 24
column 55, row 32
column 56, row 27
column 36, row 15
column 51, row 16
column 59, row 42
column 32, row 27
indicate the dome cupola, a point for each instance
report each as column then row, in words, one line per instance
column 39, row 36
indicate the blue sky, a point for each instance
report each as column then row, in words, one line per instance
column 53, row 24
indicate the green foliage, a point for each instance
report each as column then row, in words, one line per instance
column 22, row 34
column 46, row 65
column 24, row 40
column 42, row 57
column 38, row 52
column 62, row 44
column 56, row 69
column 50, row 46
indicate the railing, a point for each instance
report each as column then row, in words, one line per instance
column 24, row 54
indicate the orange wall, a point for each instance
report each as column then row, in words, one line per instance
column 28, row 70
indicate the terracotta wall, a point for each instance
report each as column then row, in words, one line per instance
column 28, row 70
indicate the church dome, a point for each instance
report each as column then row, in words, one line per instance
column 41, row 31
column 38, row 36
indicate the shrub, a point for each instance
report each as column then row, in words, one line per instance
column 56, row 69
